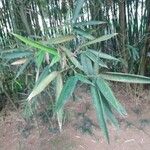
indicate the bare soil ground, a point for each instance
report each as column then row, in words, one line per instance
column 134, row 132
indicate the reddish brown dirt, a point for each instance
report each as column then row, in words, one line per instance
column 134, row 133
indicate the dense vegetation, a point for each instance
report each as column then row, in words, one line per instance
column 49, row 45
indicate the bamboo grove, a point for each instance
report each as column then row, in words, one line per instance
column 62, row 42
column 47, row 18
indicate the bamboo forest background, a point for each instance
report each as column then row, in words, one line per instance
column 50, row 18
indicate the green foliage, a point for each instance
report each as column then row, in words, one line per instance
column 41, row 47
column 36, row 44
column 60, row 113
column 95, row 59
column 109, row 96
column 72, row 58
column 43, row 84
column 100, row 112
column 60, row 39
column 78, row 7
column 100, row 54
column 86, row 65
column 66, row 92
column 83, row 33
column 16, row 53
column 85, row 23
column 100, row 39
column 124, row 77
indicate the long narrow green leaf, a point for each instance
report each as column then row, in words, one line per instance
column 16, row 53
column 85, row 23
column 55, row 59
column 66, row 92
column 43, row 75
column 72, row 58
column 108, row 94
column 59, row 86
column 83, row 79
column 109, row 114
column 95, row 59
column 23, row 67
column 79, row 5
column 83, row 33
column 100, row 39
column 39, row 58
column 87, row 65
column 103, row 117
column 37, row 45
column 60, row 39
column 124, row 77
column 43, row 84
column 97, row 101
column 101, row 55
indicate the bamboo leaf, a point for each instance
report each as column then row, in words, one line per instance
column 100, row 39
column 96, row 59
column 43, row 75
column 43, row 84
column 22, row 68
column 66, row 92
column 72, row 58
column 83, row 33
column 108, row 94
column 60, row 39
column 36, row 44
column 19, row 62
column 79, row 5
column 39, row 58
column 85, row 23
column 15, row 53
column 87, row 65
column 109, row 114
column 55, row 59
column 59, row 86
column 83, row 79
column 124, row 77
column 97, row 102
column 101, row 55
